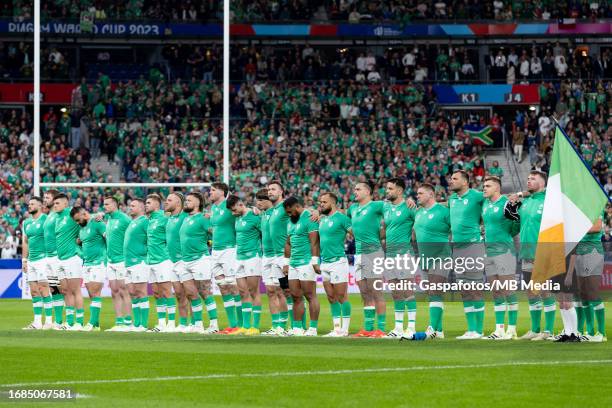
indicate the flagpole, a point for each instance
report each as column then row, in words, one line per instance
column 569, row 140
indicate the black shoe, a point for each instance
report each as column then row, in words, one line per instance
column 573, row 338
column 564, row 338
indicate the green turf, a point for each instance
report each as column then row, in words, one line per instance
column 428, row 375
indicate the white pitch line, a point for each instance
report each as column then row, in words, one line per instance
column 302, row 373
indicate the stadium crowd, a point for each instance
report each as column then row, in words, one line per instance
column 104, row 10
column 532, row 63
column 395, row 64
column 407, row 11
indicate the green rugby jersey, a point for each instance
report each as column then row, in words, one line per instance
column 92, row 243
column 531, row 217
column 365, row 221
column 117, row 224
column 194, row 235
column 591, row 241
column 298, row 237
column 432, row 228
column 157, row 250
column 248, row 236
column 173, row 235
column 465, row 212
column 499, row 230
column 34, row 229
column 135, row 243
column 332, row 234
column 223, row 227
column 279, row 219
column 66, row 232
column 399, row 220
column 267, row 242
column 50, row 240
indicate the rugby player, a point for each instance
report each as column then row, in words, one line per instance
column 465, row 206
column 500, row 261
column 529, row 212
column 432, row 229
column 366, row 217
column 196, row 275
column 223, row 257
column 51, row 261
column 333, row 228
column 158, row 260
column 91, row 237
column 176, row 216
column 302, row 265
column 137, row 272
column 399, row 220
column 116, row 225
column 248, row 265
column 34, row 265
column 270, row 276
column 70, row 264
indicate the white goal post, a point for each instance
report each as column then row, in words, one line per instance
column 226, row 123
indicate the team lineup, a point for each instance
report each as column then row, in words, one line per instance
column 184, row 244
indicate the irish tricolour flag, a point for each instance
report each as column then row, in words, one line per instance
column 574, row 200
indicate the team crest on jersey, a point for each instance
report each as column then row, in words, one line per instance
column 364, row 212
column 398, row 213
column 330, row 223
column 496, row 209
column 191, row 222
column 465, row 201
column 243, row 223
column 431, row 216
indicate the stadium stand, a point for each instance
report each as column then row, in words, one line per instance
column 108, row 10
column 407, row 11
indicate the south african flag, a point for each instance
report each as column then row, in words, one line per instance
column 479, row 134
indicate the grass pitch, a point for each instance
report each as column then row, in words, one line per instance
column 187, row 370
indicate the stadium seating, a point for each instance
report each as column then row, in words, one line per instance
column 406, row 11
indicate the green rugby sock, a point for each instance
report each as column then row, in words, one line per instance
column 470, row 316
column 144, row 311
column 136, row 311
column 283, row 318
column 336, row 312
column 211, row 309
column 512, row 301
column 535, row 310
column 69, row 315
column 346, row 315
column 80, row 316
column 196, row 307
column 381, row 321
column 58, row 308
column 579, row 314
column 290, row 310
column 600, row 315
column 589, row 317
column 48, row 307
column 171, row 310
column 479, row 310
column 399, row 306
column 436, row 312
column 239, row 317
column 499, row 307
column 183, row 321
column 256, row 316
column 368, row 318
column 550, row 307
column 230, row 309
column 247, row 308
column 160, row 306
column 94, row 311
column 411, row 306
column 314, row 324
column 37, row 307
column 275, row 320
column 119, row 321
